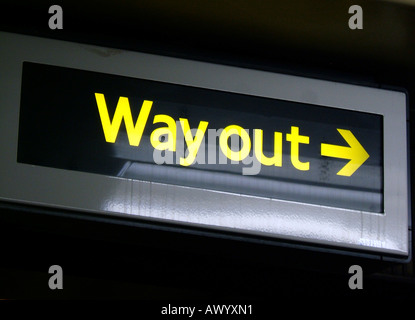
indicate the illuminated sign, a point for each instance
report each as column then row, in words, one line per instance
column 353, row 152
column 199, row 144
column 119, row 126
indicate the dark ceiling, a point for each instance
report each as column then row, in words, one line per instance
column 299, row 32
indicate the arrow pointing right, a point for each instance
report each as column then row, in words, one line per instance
column 355, row 153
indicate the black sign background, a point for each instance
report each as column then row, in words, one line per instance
column 60, row 127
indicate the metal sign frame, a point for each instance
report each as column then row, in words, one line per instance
column 383, row 234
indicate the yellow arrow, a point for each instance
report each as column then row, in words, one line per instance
column 355, row 153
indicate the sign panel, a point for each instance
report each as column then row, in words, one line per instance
column 125, row 127
column 200, row 144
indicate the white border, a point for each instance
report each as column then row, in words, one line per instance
column 383, row 233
